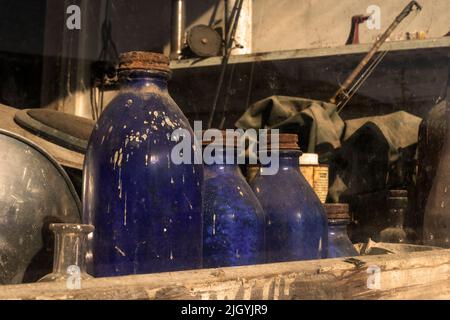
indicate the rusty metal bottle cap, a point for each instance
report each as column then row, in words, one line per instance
column 225, row 142
column 286, row 141
column 337, row 211
column 144, row 60
column 289, row 141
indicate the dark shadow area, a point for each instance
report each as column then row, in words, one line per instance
column 42, row 263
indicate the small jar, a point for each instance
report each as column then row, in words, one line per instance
column 70, row 252
column 339, row 244
column 316, row 174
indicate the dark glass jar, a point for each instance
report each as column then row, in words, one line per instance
column 397, row 203
column 436, row 224
column 339, row 244
column 147, row 211
column 233, row 230
column 296, row 224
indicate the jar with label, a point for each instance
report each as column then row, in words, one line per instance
column 315, row 173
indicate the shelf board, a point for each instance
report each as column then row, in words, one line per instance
column 393, row 46
column 416, row 275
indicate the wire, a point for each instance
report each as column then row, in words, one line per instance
column 107, row 54
column 234, row 18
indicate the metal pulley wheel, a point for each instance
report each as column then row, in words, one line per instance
column 204, row 41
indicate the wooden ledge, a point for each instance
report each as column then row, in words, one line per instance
column 419, row 275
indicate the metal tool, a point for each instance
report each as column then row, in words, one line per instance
column 353, row 37
column 342, row 96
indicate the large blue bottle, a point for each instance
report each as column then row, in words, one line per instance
column 146, row 210
column 233, row 231
column 296, row 224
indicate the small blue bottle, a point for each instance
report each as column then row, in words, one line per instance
column 233, row 229
column 296, row 224
column 339, row 244
column 147, row 211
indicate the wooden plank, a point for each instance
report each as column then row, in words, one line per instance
column 420, row 275
column 437, row 43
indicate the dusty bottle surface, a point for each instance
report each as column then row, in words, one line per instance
column 69, row 261
column 233, row 230
column 296, row 224
column 339, row 244
column 436, row 228
column 146, row 209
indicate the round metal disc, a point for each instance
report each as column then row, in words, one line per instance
column 204, row 41
column 66, row 130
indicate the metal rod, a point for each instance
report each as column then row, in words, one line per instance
column 341, row 93
column 178, row 28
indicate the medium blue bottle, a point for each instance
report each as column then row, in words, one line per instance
column 339, row 244
column 233, row 230
column 296, row 224
column 147, row 211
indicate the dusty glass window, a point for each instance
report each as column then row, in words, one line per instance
column 359, row 86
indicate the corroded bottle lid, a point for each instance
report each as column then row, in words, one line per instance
column 144, row 60
column 286, row 141
column 337, row 211
column 230, row 144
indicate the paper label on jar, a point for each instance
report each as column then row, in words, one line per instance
column 321, row 182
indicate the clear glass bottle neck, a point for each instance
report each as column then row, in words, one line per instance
column 70, row 250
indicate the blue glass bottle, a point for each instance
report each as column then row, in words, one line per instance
column 233, row 229
column 339, row 244
column 296, row 224
column 146, row 210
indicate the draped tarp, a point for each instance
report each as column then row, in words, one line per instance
column 365, row 155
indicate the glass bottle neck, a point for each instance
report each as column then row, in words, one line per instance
column 338, row 224
column 223, row 161
column 288, row 159
column 70, row 250
column 143, row 79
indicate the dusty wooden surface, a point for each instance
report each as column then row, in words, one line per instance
column 420, row 275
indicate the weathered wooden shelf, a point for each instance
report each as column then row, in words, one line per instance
column 419, row 275
column 393, row 46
